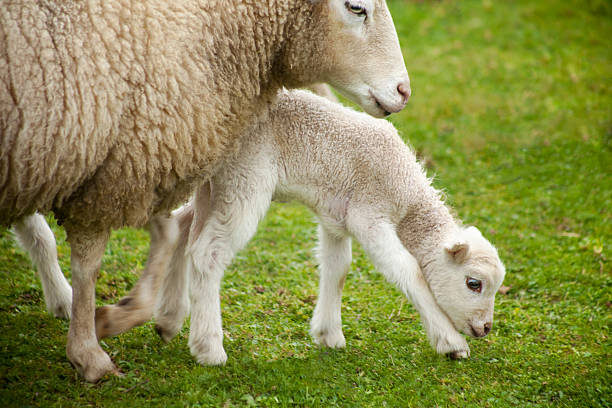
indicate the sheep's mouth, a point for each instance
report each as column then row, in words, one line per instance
column 385, row 112
column 379, row 105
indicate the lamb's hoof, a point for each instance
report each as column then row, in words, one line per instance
column 458, row 355
column 453, row 344
column 92, row 364
column 209, row 353
column 112, row 320
column 333, row 339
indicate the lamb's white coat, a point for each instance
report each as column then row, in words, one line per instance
column 361, row 181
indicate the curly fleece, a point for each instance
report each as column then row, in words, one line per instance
column 111, row 110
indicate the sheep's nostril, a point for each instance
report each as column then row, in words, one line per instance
column 487, row 328
column 404, row 90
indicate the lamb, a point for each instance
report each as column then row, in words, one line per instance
column 359, row 178
column 114, row 111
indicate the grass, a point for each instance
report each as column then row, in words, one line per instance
column 512, row 112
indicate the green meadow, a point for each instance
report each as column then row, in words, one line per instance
column 511, row 112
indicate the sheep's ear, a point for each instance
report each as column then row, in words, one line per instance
column 458, row 250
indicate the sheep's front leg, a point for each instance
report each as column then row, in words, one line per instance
column 137, row 307
column 82, row 347
column 393, row 260
column 35, row 236
column 334, row 255
column 229, row 226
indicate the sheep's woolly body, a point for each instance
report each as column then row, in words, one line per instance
column 111, row 110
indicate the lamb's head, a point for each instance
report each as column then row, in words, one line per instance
column 464, row 278
column 357, row 52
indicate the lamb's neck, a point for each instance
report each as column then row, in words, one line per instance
column 425, row 229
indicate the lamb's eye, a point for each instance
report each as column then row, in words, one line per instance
column 474, row 284
column 355, row 8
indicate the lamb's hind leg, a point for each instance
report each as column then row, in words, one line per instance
column 137, row 307
column 334, row 255
column 35, row 236
column 231, row 224
column 82, row 347
column 393, row 260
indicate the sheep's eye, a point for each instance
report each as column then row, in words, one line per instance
column 474, row 284
column 355, row 9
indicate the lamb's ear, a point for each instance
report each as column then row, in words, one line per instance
column 458, row 250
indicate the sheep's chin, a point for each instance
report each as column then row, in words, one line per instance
column 375, row 110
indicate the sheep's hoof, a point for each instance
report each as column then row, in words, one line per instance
column 59, row 304
column 92, row 364
column 218, row 358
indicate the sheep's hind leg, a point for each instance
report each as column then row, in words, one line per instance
column 137, row 307
column 82, row 347
column 334, row 255
column 35, row 236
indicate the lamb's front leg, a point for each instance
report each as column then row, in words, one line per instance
column 334, row 253
column 393, row 260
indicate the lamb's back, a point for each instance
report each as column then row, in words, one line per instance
column 346, row 153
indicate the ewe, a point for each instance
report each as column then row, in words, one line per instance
column 359, row 178
column 112, row 111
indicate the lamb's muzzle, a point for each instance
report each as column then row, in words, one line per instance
column 481, row 331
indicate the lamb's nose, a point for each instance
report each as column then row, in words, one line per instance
column 404, row 89
column 487, row 328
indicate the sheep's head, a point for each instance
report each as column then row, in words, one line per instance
column 353, row 46
column 368, row 64
column 464, row 278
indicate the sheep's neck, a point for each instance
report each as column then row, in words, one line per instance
column 275, row 39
